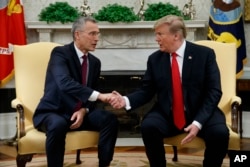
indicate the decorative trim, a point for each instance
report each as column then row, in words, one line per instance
column 247, row 11
column 108, row 25
column 138, row 34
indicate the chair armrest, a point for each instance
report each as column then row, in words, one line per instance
column 235, row 113
column 17, row 104
column 235, row 99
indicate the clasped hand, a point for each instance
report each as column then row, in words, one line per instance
column 115, row 99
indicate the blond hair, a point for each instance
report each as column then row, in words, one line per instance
column 175, row 23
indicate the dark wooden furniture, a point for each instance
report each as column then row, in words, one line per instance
column 242, row 89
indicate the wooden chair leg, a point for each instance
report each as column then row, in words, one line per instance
column 175, row 158
column 21, row 160
column 78, row 153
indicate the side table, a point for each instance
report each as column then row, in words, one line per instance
column 242, row 85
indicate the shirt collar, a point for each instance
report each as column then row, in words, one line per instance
column 181, row 50
column 79, row 52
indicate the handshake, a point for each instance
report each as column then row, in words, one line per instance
column 115, row 99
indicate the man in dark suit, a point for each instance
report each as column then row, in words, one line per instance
column 201, row 93
column 68, row 103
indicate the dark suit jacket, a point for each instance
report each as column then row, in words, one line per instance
column 63, row 87
column 200, row 83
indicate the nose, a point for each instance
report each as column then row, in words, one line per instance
column 96, row 38
column 157, row 38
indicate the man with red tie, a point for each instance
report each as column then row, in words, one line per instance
column 185, row 79
column 70, row 94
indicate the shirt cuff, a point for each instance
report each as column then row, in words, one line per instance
column 127, row 105
column 94, row 96
column 197, row 124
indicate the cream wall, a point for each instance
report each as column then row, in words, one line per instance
column 33, row 8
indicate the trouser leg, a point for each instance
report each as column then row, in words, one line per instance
column 216, row 139
column 107, row 124
column 152, row 135
column 55, row 128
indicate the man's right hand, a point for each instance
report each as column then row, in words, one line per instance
column 116, row 100
column 104, row 97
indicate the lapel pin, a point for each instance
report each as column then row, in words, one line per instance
column 190, row 57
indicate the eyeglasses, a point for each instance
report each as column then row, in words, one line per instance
column 92, row 33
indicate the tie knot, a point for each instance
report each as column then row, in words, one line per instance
column 174, row 55
column 84, row 57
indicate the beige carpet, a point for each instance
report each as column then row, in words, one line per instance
column 119, row 160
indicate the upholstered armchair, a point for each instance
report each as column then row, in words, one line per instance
column 229, row 103
column 30, row 63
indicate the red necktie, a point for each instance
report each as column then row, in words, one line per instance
column 84, row 70
column 178, row 104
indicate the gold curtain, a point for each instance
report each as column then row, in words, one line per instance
column 247, row 10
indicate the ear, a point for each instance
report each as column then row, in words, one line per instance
column 177, row 36
column 77, row 35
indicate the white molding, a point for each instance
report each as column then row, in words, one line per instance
column 121, row 46
column 108, row 25
column 138, row 34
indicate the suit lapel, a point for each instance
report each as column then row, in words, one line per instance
column 189, row 56
column 187, row 62
column 167, row 68
column 76, row 62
